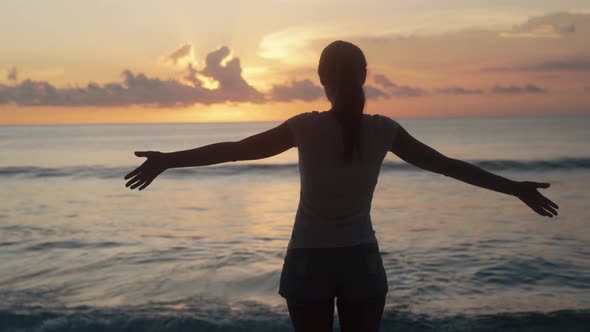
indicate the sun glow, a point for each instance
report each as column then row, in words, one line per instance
column 208, row 82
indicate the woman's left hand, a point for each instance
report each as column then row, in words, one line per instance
column 143, row 175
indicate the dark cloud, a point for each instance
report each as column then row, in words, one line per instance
column 180, row 53
column 372, row 92
column 12, row 74
column 220, row 68
column 392, row 89
column 306, row 90
column 406, row 91
column 139, row 89
column 458, row 90
column 572, row 64
column 569, row 64
column 499, row 69
column 547, row 26
column 191, row 75
column 513, row 89
column 297, row 90
column 383, row 81
column 134, row 90
column 229, row 76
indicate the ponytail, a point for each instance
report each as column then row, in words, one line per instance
column 348, row 109
column 343, row 67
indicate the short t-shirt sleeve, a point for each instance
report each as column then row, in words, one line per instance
column 390, row 129
column 296, row 125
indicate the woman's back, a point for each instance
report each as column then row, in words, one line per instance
column 335, row 201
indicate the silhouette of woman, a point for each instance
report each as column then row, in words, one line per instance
column 333, row 251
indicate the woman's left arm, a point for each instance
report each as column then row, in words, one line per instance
column 259, row 146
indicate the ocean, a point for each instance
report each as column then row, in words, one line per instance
column 202, row 249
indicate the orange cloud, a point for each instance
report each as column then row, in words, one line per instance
column 183, row 53
column 12, row 74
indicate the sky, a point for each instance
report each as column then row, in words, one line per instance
column 211, row 61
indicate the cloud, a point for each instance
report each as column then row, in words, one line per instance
column 181, row 53
column 458, row 90
column 12, row 74
column 304, row 90
column 568, row 64
column 372, row 92
column 407, row 91
column 143, row 90
column 392, row 89
column 571, row 64
column 415, row 44
column 541, row 31
column 513, row 89
column 139, row 89
column 220, row 67
column 383, row 81
column 548, row 26
column 191, row 75
column 134, row 90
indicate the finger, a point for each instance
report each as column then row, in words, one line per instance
column 550, row 202
column 542, row 185
column 539, row 210
column 138, row 183
column 145, row 184
column 134, row 180
column 143, row 153
column 550, row 209
column 132, row 173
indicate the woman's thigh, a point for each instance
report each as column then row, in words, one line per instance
column 311, row 279
column 362, row 277
column 353, row 315
column 362, row 290
column 311, row 316
column 356, row 316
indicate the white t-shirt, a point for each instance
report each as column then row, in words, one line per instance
column 335, row 198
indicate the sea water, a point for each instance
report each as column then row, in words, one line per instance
column 202, row 249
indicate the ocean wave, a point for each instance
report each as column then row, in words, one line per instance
column 70, row 244
column 108, row 172
column 256, row 317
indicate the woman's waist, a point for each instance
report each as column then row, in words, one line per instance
column 310, row 234
column 362, row 248
column 345, row 214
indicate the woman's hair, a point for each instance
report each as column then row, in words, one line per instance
column 343, row 68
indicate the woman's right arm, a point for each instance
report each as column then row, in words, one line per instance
column 421, row 155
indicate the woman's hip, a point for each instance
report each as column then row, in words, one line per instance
column 319, row 274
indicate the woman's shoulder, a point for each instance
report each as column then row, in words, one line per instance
column 375, row 119
column 382, row 120
column 307, row 115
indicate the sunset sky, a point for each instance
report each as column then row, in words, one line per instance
column 195, row 61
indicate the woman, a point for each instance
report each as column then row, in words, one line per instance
column 333, row 251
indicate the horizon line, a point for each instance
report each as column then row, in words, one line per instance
column 493, row 116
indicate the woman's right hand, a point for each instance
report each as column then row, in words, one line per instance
column 527, row 192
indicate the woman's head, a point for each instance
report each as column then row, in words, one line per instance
column 343, row 70
column 342, row 65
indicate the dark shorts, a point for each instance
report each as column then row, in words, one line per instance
column 321, row 274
